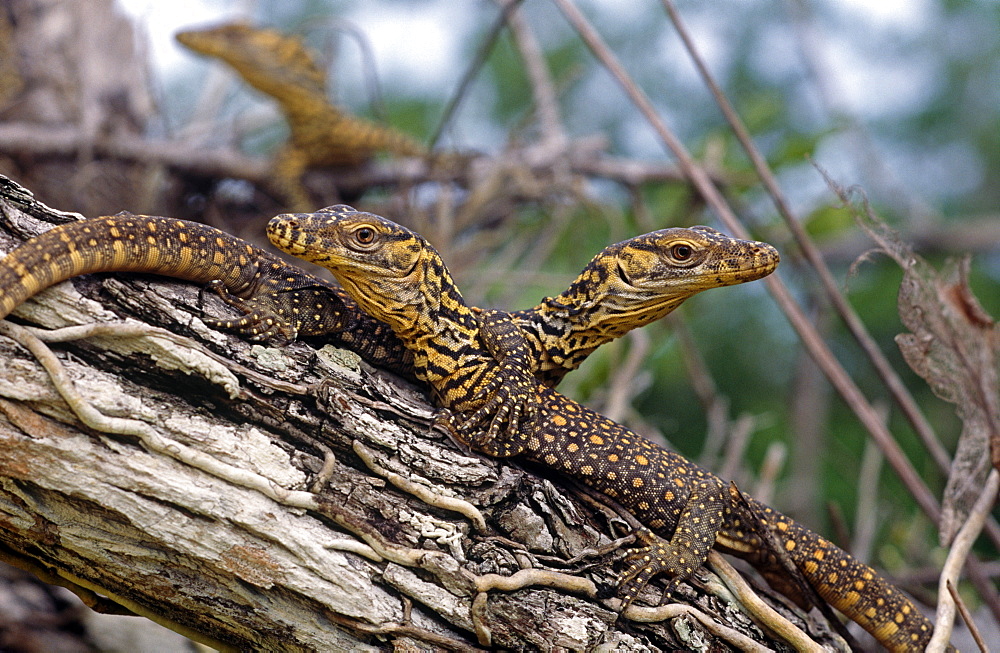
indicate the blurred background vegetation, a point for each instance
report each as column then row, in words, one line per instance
column 901, row 100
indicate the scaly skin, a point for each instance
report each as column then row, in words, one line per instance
column 631, row 284
column 321, row 134
column 398, row 278
column 281, row 302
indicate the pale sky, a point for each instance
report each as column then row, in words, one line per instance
column 416, row 47
column 437, row 26
column 433, row 23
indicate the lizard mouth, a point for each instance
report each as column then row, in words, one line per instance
column 757, row 271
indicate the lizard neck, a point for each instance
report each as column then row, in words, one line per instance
column 605, row 309
column 428, row 313
column 298, row 101
column 596, row 309
column 635, row 282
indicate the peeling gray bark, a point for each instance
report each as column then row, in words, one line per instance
column 243, row 550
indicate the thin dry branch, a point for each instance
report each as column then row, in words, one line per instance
column 813, row 342
column 542, row 89
column 824, row 79
column 585, row 159
column 482, row 53
column 24, row 139
column 960, row 548
column 847, row 313
column 808, row 334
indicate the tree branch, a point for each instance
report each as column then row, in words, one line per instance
column 585, row 158
column 191, row 496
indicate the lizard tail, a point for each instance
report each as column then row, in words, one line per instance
column 125, row 243
column 853, row 588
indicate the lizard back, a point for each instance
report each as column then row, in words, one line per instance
column 322, row 134
column 397, row 277
column 278, row 301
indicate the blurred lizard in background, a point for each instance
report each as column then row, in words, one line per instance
column 322, row 134
column 11, row 82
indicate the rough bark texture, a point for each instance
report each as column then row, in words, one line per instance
column 214, row 525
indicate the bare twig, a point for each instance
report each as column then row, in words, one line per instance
column 808, row 416
column 370, row 73
column 67, row 140
column 866, row 519
column 770, row 469
column 810, row 337
column 967, row 618
column 719, row 440
column 764, row 613
column 960, row 548
column 542, row 89
column 470, row 74
column 854, row 324
column 838, row 377
column 221, row 163
column 733, row 454
column 625, row 383
column 966, row 234
column 675, row 610
column 831, row 98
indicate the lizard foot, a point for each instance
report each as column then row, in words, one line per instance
column 259, row 321
column 506, row 416
column 502, row 425
column 655, row 556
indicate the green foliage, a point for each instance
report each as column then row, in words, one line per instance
column 414, row 116
column 828, row 221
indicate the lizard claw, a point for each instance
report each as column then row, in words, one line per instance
column 259, row 322
column 502, row 425
column 694, row 534
column 655, row 556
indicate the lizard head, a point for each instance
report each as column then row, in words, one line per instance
column 682, row 260
column 274, row 63
column 640, row 280
column 394, row 274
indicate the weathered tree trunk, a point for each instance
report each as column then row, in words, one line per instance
column 232, row 503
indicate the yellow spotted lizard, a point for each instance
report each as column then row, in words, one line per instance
column 626, row 285
column 397, row 277
column 279, row 301
column 322, row 134
column 629, row 283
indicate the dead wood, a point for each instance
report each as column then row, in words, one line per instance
column 227, row 496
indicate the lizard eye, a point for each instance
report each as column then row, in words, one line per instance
column 681, row 252
column 365, row 236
